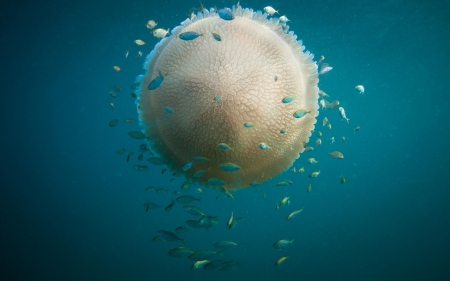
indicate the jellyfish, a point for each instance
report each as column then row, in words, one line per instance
column 199, row 92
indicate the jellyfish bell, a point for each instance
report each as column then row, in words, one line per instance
column 254, row 68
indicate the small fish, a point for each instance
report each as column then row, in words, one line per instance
column 223, row 245
column 201, row 159
column 332, row 140
column 140, row 168
column 170, row 236
column 129, row 120
column 301, row 170
column 357, row 128
column 112, row 94
column 208, row 221
column 163, row 170
column 342, row 179
column 288, row 99
column 215, row 182
column 127, row 53
column 336, row 155
column 116, row 68
column 263, row 146
column 121, row 151
column 321, row 59
column 156, row 82
column 199, row 264
column 200, row 190
column 129, row 155
column 282, row 244
column 224, row 146
column 300, row 113
column 180, row 252
column 160, row 33
column 318, row 142
column 187, row 166
column 230, row 220
column 270, row 11
column 342, row 113
column 226, row 14
column 280, row 260
column 150, row 205
column 139, row 53
column 186, row 199
column 319, row 134
column 111, row 104
column 231, row 224
column 139, row 42
column 325, row 121
column 314, row 174
column 283, row 131
column 248, row 125
column 217, row 98
column 185, row 186
column 313, row 160
column 309, row 188
column 294, row 213
column 285, row 200
column 293, row 170
column 137, row 135
column 324, row 104
column 193, row 210
column 216, row 36
column 168, row 109
column 133, row 95
column 150, row 188
column 170, row 206
column 181, row 229
column 309, row 148
column 203, row 254
column 325, row 68
column 360, row 89
column 343, row 139
column 323, row 94
column 189, row 35
column 151, row 24
column 113, row 123
column 283, row 19
column 329, row 126
column 229, row 167
column 281, row 183
column 227, row 193
column 333, row 104
column 161, row 190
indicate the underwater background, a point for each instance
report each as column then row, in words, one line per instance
column 72, row 209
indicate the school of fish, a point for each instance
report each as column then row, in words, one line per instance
column 146, row 161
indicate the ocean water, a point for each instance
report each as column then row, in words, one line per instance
column 72, row 209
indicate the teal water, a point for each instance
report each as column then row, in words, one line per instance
column 72, row 209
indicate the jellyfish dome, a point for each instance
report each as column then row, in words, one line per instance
column 229, row 99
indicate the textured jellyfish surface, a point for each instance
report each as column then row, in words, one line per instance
column 229, row 99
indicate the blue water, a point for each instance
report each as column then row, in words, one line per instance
column 72, row 208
